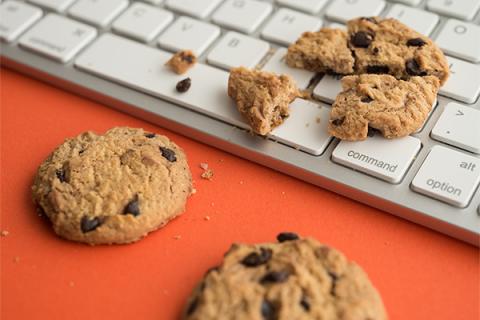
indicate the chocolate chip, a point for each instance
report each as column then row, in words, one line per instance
column 287, row 236
column 254, row 259
column 305, row 304
column 334, row 278
column 268, row 310
column 89, row 224
column 366, row 99
column 150, row 135
column 192, row 307
column 275, row 277
column 361, row 39
column 184, row 85
column 416, row 42
column 60, row 173
column 187, row 57
column 132, row 207
column 377, row 69
column 413, row 68
column 81, row 151
column 168, row 154
column 338, row 122
column 376, row 51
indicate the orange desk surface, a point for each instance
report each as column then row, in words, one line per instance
column 421, row 274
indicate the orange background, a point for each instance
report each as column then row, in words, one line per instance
column 420, row 274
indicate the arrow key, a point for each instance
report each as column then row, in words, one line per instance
column 458, row 126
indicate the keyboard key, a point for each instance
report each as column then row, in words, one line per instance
column 306, row 127
column 460, row 39
column 308, row 6
column 195, row 8
column 277, row 64
column 464, row 81
column 107, row 58
column 328, row 88
column 16, row 18
column 235, row 50
column 419, row 20
column 242, row 15
column 287, row 25
column 462, row 9
column 58, row 37
column 409, row 2
column 98, row 13
column 459, row 126
column 449, row 176
column 386, row 159
column 142, row 22
column 343, row 10
column 188, row 33
column 55, row 5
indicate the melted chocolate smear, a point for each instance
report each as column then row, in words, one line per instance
column 377, row 69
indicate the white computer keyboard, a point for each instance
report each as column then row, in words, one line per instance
column 114, row 51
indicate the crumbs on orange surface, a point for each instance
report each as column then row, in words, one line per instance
column 4, row 233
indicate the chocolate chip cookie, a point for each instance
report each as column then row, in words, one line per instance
column 182, row 61
column 394, row 107
column 112, row 188
column 292, row 279
column 325, row 51
column 263, row 98
column 371, row 45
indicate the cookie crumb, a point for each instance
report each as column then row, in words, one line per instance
column 206, row 218
column 16, row 259
column 71, row 284
column 177, row 237
column 207, row 174
column 204, row 165
column 182, row 61
column 317, row 120
column 194, row 191
column 4, row 233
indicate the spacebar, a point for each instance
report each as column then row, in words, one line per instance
column 143, row 68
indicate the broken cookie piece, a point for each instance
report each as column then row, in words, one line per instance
column 182, row 61
column 261, row 97
column 323, row 51
column 389, row 46
column 394, row 107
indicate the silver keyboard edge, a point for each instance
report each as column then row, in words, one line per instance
column 397, row 199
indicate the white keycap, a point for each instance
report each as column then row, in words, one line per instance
column 449, row 176
column 277, row 64
column 235, row 50
column 195, row 8
column 343, row 10
column 188, row 33
column 147, row 73
column 305, row 128
column 409, row 2
column 419, row 20
column 459, row 125
column 97, row 12
column 464, row 81
column 386, row 159
column 287, row 25
column 328, row 88
column 460, row 39
column 462, row 9
column 57, row 37
column 308, row 6
column 55, row 5
column 16, row 17
column 242, row 15
column 142, row 22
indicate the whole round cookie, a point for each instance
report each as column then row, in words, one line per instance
column 112, row 188
column 294, row 279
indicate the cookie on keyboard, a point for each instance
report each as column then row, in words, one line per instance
column 325, row 51
column 182, row 61
column 112, row 188
column 293, row 279
column 388, row 46
column 396, row 108
column 261, row 97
